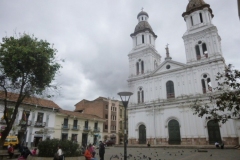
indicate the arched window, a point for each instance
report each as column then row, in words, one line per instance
column 142, row 38
column 136, row 41
column 142, row 67
column 142, row 18
column 204, row 48
column 191, row 20
column 170, row 89
column 155, row 64
column 206, row 83
column 201, row 19
column 198, row 52
column 140, row 95
column 150, row 39
column 137, row 68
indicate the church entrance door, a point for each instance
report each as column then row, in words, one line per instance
column 213, row 132
column 174, row 132
column 142, row 134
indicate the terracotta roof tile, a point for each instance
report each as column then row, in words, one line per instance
column 80, row 115
column 30, row 100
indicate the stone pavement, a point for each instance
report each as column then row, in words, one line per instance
column 171, row 154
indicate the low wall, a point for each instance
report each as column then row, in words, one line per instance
column 51, row 158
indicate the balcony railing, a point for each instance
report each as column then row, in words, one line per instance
column 170, row 95
column 23, row 122
column 2, row 121
column 75, row 127
column 96, row 129
column 113, row 131
column 204, row 90
column 86, row 128
column 198, row 57
column 65, row 126
column 40, row 124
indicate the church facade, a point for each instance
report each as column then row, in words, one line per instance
column 163, row 89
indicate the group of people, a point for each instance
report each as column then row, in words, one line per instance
column 25, row 152
column 90, row 151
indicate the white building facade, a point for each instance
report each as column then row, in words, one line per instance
column 34, row 121
column 163, row 90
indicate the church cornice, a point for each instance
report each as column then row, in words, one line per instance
column 180, row 101
column 144, row 48
column 205, row 30
column 186, row 67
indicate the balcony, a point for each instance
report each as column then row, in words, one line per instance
column 113, row 131
column 39, row 124
column 23, row 122
column 65, row 126
column 86, row 128
column 170, row 95
column 97, row 129
column 75, row 127
column 2, row 121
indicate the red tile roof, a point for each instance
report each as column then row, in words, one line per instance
column 30, row 100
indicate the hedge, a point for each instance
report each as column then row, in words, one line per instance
column 48, row 148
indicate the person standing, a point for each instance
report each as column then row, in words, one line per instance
column 11, row 151
column 88, row 154
column 60, row 153
column 101, row 150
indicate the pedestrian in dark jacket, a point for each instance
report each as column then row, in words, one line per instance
column 101, row 150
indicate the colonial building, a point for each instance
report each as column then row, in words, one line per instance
column 34, row 121
column 164, row 89
column 81, row 128
column 107, row 109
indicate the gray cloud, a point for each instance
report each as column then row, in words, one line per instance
column 94, row 38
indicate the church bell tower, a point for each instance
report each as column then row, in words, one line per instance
column 201, row 39
column 143, row 58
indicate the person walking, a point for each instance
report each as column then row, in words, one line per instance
column 101, row 150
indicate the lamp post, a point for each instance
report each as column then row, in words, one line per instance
column 125, row 96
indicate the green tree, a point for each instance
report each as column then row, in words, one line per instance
column 27, row 68
column 224, row 102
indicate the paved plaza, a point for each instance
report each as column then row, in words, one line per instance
column 171, row 154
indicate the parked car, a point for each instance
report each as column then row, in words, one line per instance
column 109, row 143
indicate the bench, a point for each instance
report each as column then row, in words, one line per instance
column 2, row 155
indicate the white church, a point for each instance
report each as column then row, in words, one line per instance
column 163, row 89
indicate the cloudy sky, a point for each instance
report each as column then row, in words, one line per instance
column 93, row 36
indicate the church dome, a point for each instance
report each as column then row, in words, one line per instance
column 143, row 26
column 142, row 13
column 195, row 5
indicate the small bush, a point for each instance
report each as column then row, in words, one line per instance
column 48, row 148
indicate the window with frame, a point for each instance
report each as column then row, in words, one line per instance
column 140, row 67
column 140, row 95
column 75, row 123
column 201, row 49
column 200, row 16
column 86, row 125
column 206, row 83
column 40, row 117
column 170, row 89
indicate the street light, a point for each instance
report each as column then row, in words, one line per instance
column 125, row 96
